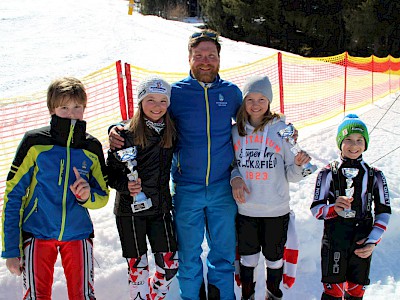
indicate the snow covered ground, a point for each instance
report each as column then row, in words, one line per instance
column 43, row 39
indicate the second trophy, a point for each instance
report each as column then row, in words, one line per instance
column 287, row 133
column 128, row 156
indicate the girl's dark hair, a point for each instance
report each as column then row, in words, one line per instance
column 139, row 128
column 242, row 117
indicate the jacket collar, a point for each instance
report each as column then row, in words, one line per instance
column 347, row 162
column 203, row 84
column 61, row 127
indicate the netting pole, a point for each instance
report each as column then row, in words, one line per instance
column 372, row 70
column 390, row 71
column 121, row 94
column 129, row 97
column 130, row 5
column 345, row 81
column 280, row 76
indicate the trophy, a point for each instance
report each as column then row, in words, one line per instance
column 287, row 133
column 349, row 173
column 128, row 156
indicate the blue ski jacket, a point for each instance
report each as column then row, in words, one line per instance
column 38, row 201
column 203, row 115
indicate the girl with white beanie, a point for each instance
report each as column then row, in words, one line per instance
column 151, row 133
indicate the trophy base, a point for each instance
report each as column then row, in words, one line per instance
column 141, row 203
column 309, row 169
column 347, row 214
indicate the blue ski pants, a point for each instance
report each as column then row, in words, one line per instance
column 210, row 209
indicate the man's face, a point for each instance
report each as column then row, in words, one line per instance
column 204, row 62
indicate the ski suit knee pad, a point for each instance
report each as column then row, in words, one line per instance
column 354, row 291
column 335, row 290
column 277, row 264
column 250, row 260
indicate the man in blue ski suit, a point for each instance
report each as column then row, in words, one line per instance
column 202, row 107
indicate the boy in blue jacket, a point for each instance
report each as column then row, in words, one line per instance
column 57, row 174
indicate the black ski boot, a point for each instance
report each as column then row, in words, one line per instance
column 202, row 292
column 274, row 278
column 248, row 284
column 213, row 292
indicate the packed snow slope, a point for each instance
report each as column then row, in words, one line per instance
column 43, row 39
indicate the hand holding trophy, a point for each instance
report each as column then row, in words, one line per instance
column 349, row 173
column 287, row 133
column 128, row 156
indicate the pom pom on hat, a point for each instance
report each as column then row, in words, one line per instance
column 351, row 124
column 153, row 85
column 258, row 84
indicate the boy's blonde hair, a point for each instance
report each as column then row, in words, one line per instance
column 63, row 90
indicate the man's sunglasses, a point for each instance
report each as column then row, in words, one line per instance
column 210, row 35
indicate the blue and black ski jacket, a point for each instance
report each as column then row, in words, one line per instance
column 38, row 200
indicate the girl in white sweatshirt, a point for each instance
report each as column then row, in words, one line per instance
column 260, row 185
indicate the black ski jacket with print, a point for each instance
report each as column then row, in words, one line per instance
column 153, row 167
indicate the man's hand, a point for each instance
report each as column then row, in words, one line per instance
column 135, row 187
column 365, row 251
column 342, row 203
column 14, row 265
column 239, row 187
column 114, row 139
column 80, row 188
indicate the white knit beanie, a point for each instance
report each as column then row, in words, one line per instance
column 153, row 85
column 258, row 84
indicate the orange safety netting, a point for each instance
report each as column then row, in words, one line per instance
column 306, row 90
column 19, row 114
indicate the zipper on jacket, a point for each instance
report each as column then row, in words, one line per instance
column 66, row 179
column 60, row 175
column 178, row 164
column 34, row 209
column 208, row 135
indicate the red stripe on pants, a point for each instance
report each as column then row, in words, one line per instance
column 76, row 259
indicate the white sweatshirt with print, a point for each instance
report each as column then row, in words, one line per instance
column 267, row 168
